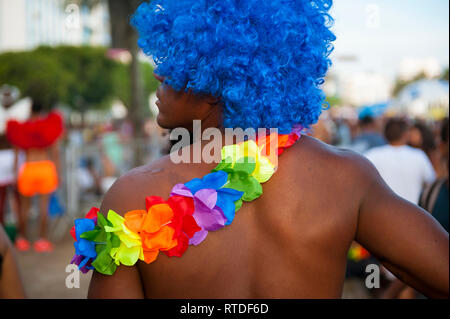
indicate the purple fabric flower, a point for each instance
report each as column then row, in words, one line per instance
column 78, row 260
column 198, row 237
column 207, row 214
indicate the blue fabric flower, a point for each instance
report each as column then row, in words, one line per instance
column 213, row 181
column 83, row 247
column 226, row 199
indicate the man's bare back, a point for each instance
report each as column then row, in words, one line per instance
column 292, row 242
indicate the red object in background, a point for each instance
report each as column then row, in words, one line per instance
column 363, row 253
column 35, row 133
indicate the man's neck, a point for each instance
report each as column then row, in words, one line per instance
column 397, row 143
column 369, row 130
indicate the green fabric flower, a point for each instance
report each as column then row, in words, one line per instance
column 240, row 178
column 105, row 241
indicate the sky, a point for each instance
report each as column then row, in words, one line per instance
column 380, row 33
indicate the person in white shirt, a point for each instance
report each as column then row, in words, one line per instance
column 9, row 109
column 405, row 169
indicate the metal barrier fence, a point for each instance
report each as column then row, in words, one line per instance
column 75, row 200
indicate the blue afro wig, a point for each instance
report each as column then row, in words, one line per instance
column 264, row 59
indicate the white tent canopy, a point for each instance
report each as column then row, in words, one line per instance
column 423, row 98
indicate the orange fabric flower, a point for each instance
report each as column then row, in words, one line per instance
column 280, row 143
column 152, row 226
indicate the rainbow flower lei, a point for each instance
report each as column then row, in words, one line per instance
column 192, row 210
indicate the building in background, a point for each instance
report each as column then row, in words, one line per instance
column 26, row 24
column 360, row 88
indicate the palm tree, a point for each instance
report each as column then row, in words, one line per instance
column 123, row 35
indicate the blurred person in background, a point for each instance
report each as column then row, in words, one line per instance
column 344, row 119
column 111, row 154
column 89, row 179
column 109, row 171
column 323, row 129
column 10, row 282
column 6, row 152
column 435, row 197
column 8, row 96
column 404, row 168
column 38, row 174
column 421, row 136
column 111, row 144
column 369, row 135
column 342, row 135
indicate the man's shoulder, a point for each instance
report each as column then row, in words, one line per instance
column 334, row 160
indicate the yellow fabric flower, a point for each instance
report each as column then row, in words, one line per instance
column 130, row 249
column 251, row 153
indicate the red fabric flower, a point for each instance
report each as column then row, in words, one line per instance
column 35, row 133
column 180, row 248
column 273, row 145
column 286, row 141
column 183, row 223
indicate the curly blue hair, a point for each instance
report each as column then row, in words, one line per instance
column 264, row 59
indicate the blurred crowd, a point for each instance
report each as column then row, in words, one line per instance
column 411, row 155
column 50, row 168
column 105, row 151
column 363, row 132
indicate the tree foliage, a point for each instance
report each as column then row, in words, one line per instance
column 444, row 75
column 333, row 100
column 122, row 83
column 36, row 75
column 81, row 77
column 91, row 75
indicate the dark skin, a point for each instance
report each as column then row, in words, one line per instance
column 11, row 286
column 292, row 242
